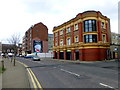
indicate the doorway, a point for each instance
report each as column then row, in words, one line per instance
column 68, row 55
column 77, row 55
column 61, row 55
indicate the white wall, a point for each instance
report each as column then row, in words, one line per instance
column 45, row 55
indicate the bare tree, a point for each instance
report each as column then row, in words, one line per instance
column 14, row 40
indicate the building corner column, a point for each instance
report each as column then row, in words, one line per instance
column 73, row 54
column 54, row 57
column 80, row 32
column 65, row 57
column 81, row 55
column 99, row 30
column 58, row 54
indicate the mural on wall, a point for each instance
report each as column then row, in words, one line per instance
column 37, row 46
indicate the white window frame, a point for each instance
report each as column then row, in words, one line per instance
column 61, row 42
column 56, row 34
column 76, row 39
column 104, row 38
column 68, row 41
column 76, row 27
column 68, row 29
column 61, row 32
column 103, row 25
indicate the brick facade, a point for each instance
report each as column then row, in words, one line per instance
column 37, row 32
column 85, row 37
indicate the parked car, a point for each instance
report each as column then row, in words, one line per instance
column 10, row 54
column 28, row 56
column 17, row 55
column 3, row 55
column 36, row 58
column 22, row 56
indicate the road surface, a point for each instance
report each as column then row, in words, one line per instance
column 57, row 74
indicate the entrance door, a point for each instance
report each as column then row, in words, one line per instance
column 113, row 55
column 61, row 55
column 77, row 55
column 68, row 54
column 55, row 55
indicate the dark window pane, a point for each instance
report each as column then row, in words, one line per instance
column 94, row 38
column 86, row 22
column 86, row 36
column 89, row 25
column 90, row 29
column 90, row 38
column 90, row 21
column 87, row 40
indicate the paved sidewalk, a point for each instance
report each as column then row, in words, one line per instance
column 14, row 76
column 0, row 81
column 77, row 61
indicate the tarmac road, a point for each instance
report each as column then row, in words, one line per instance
column 57, row 74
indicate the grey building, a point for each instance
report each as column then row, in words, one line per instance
column 0, row 48
column 50, row 42
column 115, row 45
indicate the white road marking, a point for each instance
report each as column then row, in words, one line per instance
column 70, row 72
column 41, row 63
column 38, row 62
column 106, row 85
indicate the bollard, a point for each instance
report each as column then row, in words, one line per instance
column 2, row 65
column 11, row 59
column 14, row 62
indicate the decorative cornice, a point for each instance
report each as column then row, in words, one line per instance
column 81, row 16
column 80, row 45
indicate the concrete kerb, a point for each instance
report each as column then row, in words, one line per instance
column 34, row 83
column 0, row 74
column 77, row 61
column 14, row 76
column 30, row 81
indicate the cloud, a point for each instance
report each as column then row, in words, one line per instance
column 19, row 15
column 36, row 6
column 119, row 17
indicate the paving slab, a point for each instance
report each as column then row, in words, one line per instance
column 14, row 76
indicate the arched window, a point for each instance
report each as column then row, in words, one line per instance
column 61, row 42
column 68, row 41
column 76, row 39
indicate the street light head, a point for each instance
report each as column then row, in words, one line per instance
column 115, row 48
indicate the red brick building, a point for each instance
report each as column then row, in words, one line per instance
column 85, row 37
column 36, row 39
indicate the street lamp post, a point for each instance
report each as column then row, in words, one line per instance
column 116, row 53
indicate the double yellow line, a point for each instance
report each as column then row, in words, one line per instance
column 34, row 80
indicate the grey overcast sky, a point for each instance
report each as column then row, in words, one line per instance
column 16, row 16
